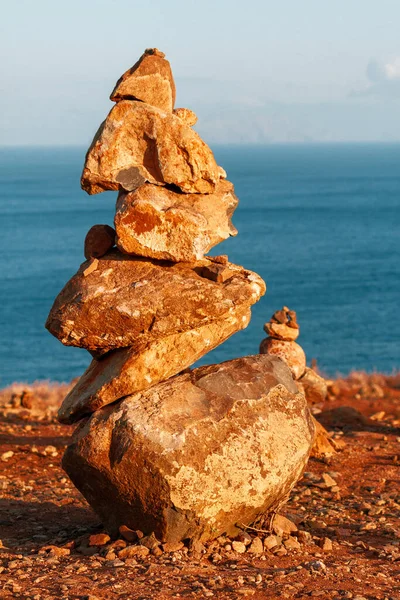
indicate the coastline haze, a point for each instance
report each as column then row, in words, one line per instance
column 260, row 74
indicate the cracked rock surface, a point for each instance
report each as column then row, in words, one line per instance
column 138, row 142
column 131, row 301
column 195, row 455
column 160, row 223
column 126, row 371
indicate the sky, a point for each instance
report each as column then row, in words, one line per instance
column 258, row 71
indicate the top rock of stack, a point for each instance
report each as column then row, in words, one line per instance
column 150, row 80
column 283, row 325
column 144, row 139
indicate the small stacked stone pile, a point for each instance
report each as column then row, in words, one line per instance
column 181, row 453
column 283, row 331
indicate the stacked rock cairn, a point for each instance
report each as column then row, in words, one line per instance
column 184, row 454
column 283, row 330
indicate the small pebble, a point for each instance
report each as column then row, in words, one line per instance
column 239, row 547
column 99, row 539
column 256, row 546
column 6, row 455
column 326, row 545
column 317, row 565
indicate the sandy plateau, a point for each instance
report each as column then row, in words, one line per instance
column 344, row 540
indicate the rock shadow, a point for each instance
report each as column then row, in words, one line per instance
column 351, row 420
column 27, row 526
column 21, row 440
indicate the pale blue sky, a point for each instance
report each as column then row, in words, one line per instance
column 255, row 71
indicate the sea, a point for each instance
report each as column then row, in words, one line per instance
column 320, row 224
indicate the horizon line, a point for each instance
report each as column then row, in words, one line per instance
column 236, row 144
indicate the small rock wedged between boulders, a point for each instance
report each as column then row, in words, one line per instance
column 256, row 547
column 98, row 241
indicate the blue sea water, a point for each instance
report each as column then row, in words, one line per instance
column 320, row 223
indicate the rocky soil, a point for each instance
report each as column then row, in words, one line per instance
column 344, row 540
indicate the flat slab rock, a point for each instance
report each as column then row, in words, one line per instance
column 149, row 80
column 195, row 455
column 127, row 301
column 138, row 142
column 160, row 223
column 280, row 331
column 126, row 371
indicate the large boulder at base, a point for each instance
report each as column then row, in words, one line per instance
column 149, row 80
column 290, row 352
column 157, row 222
column 126, row 371
column 138, row 142
column 126, row 301
column 196, row 455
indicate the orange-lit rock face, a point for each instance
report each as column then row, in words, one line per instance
column 126, row 371
column 285, row 316
column 157, row 222
column 138, row 142
column 130, row 301
column 281, row 332
column 290, row 352
column 283, row 325
column 195, row 455
column 149, row 80
column 186, row 115
column 178, row 453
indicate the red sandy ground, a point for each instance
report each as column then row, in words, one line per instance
column 45, row 524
